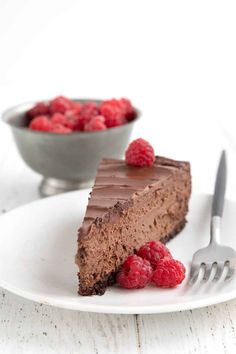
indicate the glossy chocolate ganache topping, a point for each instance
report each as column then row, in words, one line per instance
column 117, row 182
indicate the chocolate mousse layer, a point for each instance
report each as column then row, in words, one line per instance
column 129, row 206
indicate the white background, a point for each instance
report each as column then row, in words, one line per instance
column 176, row 60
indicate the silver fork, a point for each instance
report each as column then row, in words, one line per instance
column 214, row 260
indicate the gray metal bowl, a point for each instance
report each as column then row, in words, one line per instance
column 67, row 161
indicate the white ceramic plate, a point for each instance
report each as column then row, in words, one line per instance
column 38, row 245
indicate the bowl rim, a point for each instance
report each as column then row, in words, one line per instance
column 6, row 113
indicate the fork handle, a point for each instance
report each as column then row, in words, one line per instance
column 220, row 186
column 215, row 229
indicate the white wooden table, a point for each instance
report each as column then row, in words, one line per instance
column 28, row 327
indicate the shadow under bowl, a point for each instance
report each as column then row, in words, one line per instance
column 67, row 161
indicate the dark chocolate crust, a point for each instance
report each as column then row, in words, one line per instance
column 100, row 287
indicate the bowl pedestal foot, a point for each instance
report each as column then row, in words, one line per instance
column 53, row 186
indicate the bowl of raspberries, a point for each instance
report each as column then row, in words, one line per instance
column 64, row 139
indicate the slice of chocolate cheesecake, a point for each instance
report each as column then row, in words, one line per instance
column 129, row 206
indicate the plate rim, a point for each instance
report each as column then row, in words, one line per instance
column 124, row 310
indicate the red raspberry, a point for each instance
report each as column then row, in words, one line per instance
column 135, row 273
column 67, row 120
column 128, row 109
column 81, row 123
column 96, row 123
column 154, row 251
column 113, row 103
column 76, row 107
column 169, row 273
column 113, row 115
column 39, row 109
column 73, row 114
column 88, row 111
column 59, row 118
column 60, row 129
column 41, row 123
column 140, row 153
column 72, row 118
column 60, row 104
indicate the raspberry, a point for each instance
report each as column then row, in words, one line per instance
column 76, row 107
column 88, row 111
column 60, row 104
column 135, row 273
column 169, row 273
column 96, row 123
column 73, row 114
column 112, row 113
column 59, row 118
column 154, row 251
column 68, row 120
column 41, row 123
column 114, row 103
column 72, row 117
column 140, row 153
column 117, row 112
column 39, row 109
column 128, row 110
column 81, row 123
column 61, row 129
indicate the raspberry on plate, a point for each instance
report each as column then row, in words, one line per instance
column 96, row 123
column 153, row 251
column 38, row 110
column 135, row 273
column 60, row 104
column 140, row 153
column 41, row 123
column 169, row 273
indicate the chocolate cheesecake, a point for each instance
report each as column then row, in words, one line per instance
column 129, row 206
